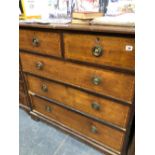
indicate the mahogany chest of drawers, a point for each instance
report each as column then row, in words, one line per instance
column 81, row 80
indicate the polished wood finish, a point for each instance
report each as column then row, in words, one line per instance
column 131, row 150
column 82, row 76
column 103, row 134
column 109, row 111
column 76, row 135
column 46, row 42
column 114, row 52
column 23, row 98
column 83, row 28
column 21, row 86
column 81, row 79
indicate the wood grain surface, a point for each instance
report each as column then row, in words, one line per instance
column 112, row 84
column 85, row 28
column 49, row 43
column 109, row 111
column 80, row 47
column 103, row 134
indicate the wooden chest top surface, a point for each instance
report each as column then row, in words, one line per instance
column 89, row 28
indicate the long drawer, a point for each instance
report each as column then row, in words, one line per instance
column 97, row 107
column 104, row 82
column 43, row 42
column 88, row 128
column 104, row 50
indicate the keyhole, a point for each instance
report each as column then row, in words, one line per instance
column 97, row 40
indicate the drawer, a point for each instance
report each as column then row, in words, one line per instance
column 97, row 107
column 110, row 51
column 104, row 82
column 87, row 127
column 43, row 42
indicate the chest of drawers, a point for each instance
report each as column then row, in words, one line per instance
column 81, row 80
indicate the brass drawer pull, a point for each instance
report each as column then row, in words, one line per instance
column 97, row 51
column 44, row 88
column 39, row 65
column 35, row 42
column 93, row 129
column 95, row 106
column 48, row 108
column 96, row 80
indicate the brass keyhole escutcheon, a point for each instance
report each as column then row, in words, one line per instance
column 97, row 51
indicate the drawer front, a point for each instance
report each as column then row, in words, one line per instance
column 109, row 83
column 87, row 127
column 102, row 50
column 43, row 42
column 107, row 110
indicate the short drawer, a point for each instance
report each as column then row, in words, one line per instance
column 104, row 82
column 97, row 107
column 88, row 128
column 43, row 42
column 110, row 51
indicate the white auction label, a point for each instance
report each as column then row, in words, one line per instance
column 128, row 48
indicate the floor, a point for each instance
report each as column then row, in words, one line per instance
column 38, row 138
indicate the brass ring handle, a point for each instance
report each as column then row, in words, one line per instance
column 44, row 88
column 96, row 80
column 97, row 51
column 93, row 129
column 48, row 108
column 35, row 42
column 95, row 106
column 39, row 65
